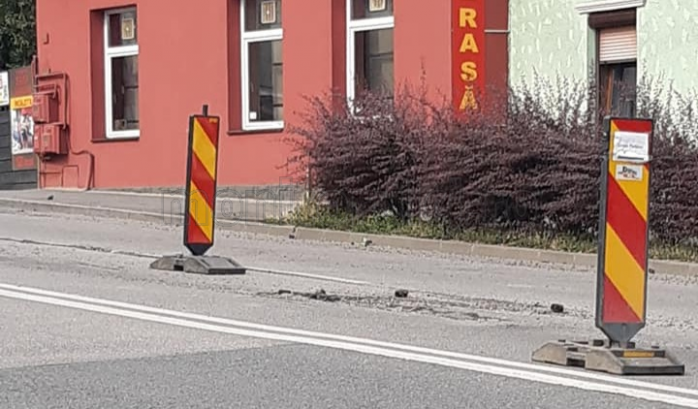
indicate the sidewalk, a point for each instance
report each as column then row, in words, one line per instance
column 245, row 215
column 168, row 206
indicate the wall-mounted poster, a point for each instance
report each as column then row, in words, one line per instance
column 22, row 125
column 21, row 121
column 4, row 88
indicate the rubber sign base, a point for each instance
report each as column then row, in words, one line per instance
column 208, row 265
column 599, row 356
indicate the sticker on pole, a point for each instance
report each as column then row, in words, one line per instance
column 629, row 172
column 631, row 146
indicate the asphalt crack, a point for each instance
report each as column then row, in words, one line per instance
column 412, row 305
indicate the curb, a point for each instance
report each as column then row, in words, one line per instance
column 303, row 233
column 228, row 208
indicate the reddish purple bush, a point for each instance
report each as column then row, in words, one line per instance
column 363, row 165
column 536, row 168
column 674, row 205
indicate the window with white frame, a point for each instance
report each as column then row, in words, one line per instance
column 369, row 47
column 262, row 64
column 121, row 73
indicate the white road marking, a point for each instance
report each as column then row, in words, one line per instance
column 409, row 348
column 524, row 286
column 306, row 275
column 534, row 373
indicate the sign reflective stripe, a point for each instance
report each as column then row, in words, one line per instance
column 201, row 214
column 626, row 275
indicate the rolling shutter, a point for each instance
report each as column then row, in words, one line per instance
column 618, row 44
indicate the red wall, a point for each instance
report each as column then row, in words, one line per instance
column 185, row 51
column 422, row 44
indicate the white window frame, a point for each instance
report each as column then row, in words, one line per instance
column 109, row 54
column 247, row 38
column 354, row 27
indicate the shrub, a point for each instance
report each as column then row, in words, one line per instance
column 531, row 171
column 364, row 164
column 535, row 169
column 674, row 205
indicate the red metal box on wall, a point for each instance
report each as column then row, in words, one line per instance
column 48, row 140
column 45, row 108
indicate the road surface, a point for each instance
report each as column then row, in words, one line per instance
column 85, row 323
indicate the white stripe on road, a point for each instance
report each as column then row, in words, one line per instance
column 391, row 351
column 306, row 275
column 409, row 348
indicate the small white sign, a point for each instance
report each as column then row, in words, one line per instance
column 377, row 5
column 268, row 12
column 128, row 31
column 629, row 172
column 631, row 147
column 4, row 88
column 253, row 116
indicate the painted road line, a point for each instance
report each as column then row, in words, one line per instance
column 409, row 348
column 306, row 275
column 520, row 370
column 384, row 352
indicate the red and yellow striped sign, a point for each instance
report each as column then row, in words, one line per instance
column 201, row 183
column 624, row 239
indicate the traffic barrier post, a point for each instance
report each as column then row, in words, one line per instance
column 200, row 203
column 623, row 250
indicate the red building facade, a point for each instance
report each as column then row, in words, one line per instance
column 126, row 75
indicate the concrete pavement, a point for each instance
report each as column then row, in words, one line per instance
column 244, row 215
column 165, row 206
column 487, row 308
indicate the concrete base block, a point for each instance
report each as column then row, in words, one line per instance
column 211, row 265
column 599, row 356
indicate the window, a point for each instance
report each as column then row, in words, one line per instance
column 618, row 68
column 618, row 89
column 370, row 46
column 262, row 65
column 121, row 73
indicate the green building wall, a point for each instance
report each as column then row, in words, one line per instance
column 668, row 42
column 548, row 38
column 551, row 39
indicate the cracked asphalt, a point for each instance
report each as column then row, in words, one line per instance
column 54, row 357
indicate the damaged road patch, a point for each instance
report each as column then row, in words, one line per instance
column 415, row 304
